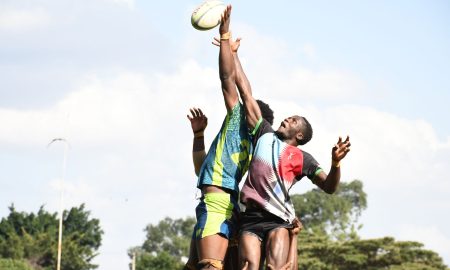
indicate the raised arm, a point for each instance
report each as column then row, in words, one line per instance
column 199, row 121
column 253, row 113
column 242, row 83
column 330, row 182
column 227, row 69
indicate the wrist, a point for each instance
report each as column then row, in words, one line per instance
column 198, row 134
column 225, row 36
column 335, row 163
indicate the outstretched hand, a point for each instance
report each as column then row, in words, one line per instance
column 234, row 45
column 225, row 20
column 198, row 120
column 340, row 149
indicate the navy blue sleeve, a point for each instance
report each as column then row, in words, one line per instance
column 263, row 128
column 310, row 166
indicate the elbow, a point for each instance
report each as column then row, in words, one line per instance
column 330, row 190
column 226, row 76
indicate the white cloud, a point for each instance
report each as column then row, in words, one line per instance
column 272, row 68
column 128, row 108
column 23, row 20
column 309, row 50
column 128, row 3
column 131, row 143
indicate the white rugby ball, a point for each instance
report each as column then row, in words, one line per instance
column 207, row 15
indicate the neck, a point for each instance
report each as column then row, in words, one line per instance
column 290, row 141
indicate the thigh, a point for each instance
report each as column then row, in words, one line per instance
column 193, row 257
column 277, row 247
column 212, row 247
column 231, row 259
column 249, row 250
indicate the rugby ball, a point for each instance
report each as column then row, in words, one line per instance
column 207, row 15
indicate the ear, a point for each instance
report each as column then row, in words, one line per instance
column 299, row 136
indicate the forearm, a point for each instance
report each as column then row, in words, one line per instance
column 332, row 180
column 198, row 152
column 253, row 113
column 227, row 69
column 227, row 73
column 242, row 81
column 293, row 255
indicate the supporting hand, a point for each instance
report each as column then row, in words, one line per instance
column 298, row 226
column 284, row 267
column 234, row 45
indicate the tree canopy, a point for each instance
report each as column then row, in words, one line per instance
column 329, row 241
column 32, row 239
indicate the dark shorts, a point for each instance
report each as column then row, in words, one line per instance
column 260, row 223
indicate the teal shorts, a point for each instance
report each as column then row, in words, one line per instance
column 217, row 213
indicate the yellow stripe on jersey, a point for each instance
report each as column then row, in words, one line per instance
column 217, row 176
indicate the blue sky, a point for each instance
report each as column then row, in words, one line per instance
column 116, row 78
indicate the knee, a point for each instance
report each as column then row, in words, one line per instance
column 210, row 264
column 189, row 266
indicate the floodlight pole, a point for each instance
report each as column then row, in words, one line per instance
column 133, row 262
column 61, row 201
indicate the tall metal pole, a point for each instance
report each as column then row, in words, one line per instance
column 61, row 201
column 133, row 262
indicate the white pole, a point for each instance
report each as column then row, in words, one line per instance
column 133, row 262
column 61, row 201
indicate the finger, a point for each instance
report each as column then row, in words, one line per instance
column 201, row 112
column 217, row 39
column 340, row 140
column 347, row 139
column 190, row 119
column 286, row 266
column 192, row 112
column 245, row 266
column 228, row 12
column 269, row 266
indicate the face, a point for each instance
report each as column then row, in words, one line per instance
column 291, row 127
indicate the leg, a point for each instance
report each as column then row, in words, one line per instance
column 249, row 251
column 277, row 247
column 213, row 247
column 215, row 224
column 231, row 259
column 192, row 262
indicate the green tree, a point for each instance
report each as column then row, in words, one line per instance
column 10, row 264
column 319, row 252
column 166, row 245
column 336, row 214
column 33, row 238
column 329, row 241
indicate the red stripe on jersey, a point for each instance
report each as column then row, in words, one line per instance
column 290, row 164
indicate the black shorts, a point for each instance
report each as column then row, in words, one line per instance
column 260, row 222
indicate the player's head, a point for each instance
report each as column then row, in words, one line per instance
column 295, row 127
column 266, row 111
